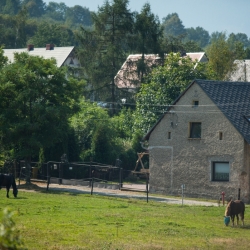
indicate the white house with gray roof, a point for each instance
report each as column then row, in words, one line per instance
column 203, row 142
column 64, row 56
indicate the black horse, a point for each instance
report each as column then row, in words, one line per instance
column 8, row 180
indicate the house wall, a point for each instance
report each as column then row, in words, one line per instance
column 181, row 160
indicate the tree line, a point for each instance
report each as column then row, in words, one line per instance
column 44, row 114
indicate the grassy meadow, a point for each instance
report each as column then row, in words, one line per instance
column 59, row 220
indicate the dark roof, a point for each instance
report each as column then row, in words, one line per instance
column 232, row 98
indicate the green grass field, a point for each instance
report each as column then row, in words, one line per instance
column 55, row 220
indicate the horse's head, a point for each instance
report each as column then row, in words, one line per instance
column 228, row 209
column 226, row 220
column 15, row 192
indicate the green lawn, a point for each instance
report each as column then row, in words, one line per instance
column 54, row 220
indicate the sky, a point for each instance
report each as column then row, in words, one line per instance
column 212, row 15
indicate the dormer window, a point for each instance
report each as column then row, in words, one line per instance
column 195, row 103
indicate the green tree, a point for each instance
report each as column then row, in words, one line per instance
column 35, row 8
column 56, row 11
column 112, row 25
column 172, row 25
column 77, row 16
column 198, row 35
column 36, row 102
column 191, row 46
column 220, row 56
column 58, row 34
column 10, row 7
column 164, row 85
column 85, row 123
column 9, row 235
column 148, row 34
column 239, row 37
column 3, row 59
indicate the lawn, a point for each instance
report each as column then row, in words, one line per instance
column 57, row 220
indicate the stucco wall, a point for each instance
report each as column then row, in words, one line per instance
column 181, row 160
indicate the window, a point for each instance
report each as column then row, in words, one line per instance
column 220, row 171
column 220, row 135
column 169, row 135
column 195, row 103
column 195, row 130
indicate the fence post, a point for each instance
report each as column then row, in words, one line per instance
column 147, row 179
column 239, row 194
column 121, row 169
column 223, row 198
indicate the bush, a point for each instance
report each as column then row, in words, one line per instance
column 9, row 235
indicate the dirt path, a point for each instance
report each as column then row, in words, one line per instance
column 115, row 193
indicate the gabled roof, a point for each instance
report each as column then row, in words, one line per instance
column 59, row 53
column 232, row 98
column 128, row 77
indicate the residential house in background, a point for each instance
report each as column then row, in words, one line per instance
column 129, row 76
column 65, row 56
column 203, row 142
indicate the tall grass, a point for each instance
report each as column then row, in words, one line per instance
column 56, row 220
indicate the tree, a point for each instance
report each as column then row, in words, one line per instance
column 164, row 84
column 35, row 8
column 198, row 35
column 239, row 37
column 58, row 34
column 78, row 15
column 36, row 102
column 10, row 7
column 56, row 11
column 172, row 25
column 112, row 25
column 220, row 57
column 148, row 34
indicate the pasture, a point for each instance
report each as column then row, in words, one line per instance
column 60, row 220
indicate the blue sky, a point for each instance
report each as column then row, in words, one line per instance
column 212, row 15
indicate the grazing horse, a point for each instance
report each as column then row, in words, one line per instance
column 235, row 208
column 8, row 180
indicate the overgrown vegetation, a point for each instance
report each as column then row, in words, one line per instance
column 104, row 128
column 56, row 220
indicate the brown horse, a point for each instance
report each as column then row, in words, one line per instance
column 8, row 180
column 235, row 208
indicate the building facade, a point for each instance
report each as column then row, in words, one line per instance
column 203, row 142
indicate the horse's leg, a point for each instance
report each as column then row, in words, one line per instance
column 232, row 218
column 8, row 189
column 242, row 217
column 237, row 216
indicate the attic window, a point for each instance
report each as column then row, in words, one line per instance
column 71, row 61
column 195, row 103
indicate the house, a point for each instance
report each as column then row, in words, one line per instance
column 128, row 77
column 241, row 71
column 65, row 56
column 203, row 142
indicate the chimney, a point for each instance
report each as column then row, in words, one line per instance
column 49, row 46
column 30, row 47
